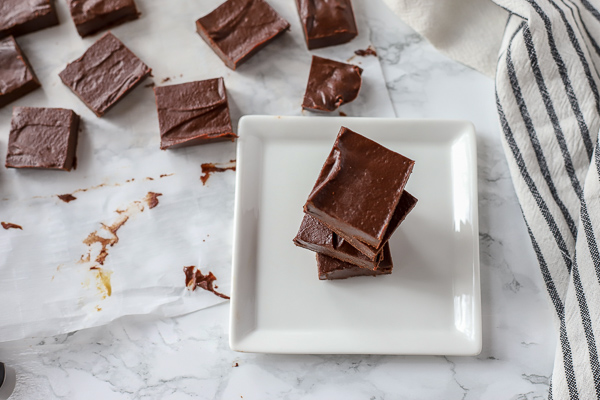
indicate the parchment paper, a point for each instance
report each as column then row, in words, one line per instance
column 51, row 282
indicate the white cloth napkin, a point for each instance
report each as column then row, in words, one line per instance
column 546, row 57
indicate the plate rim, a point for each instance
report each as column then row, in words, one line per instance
column 470, row 130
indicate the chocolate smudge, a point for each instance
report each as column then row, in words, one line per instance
column 209, row 168
column 10, row 225
column 370, row 51
column 66, row 197
column 195, row 278
column 151, row 84
column 343, row 114
column 165, row 175
column 152, row 199
column 167, row 79
column 106, row 242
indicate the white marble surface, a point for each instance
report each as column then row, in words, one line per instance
column 188, row 357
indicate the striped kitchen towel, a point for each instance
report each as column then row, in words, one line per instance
column 546, row 62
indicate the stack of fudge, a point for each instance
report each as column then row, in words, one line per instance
column 354, row 208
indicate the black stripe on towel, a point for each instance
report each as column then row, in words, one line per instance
column 539, row 153
column 554, row 296
column 562, row 69
column 564, row 251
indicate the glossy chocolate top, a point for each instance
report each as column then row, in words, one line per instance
column 238, row 28
column 86, row 10
column 331, row 84
column 90, row 16
column 14, row 70
column 104, row 74
column 190, row 110
column 359, row 187
column 21, row 16
column 327, row 22
column 42, row 138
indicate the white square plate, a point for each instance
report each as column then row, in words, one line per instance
column 431, row 302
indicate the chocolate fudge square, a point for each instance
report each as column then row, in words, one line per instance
column 405, row 206
column 237, row 29
column 359, row 187
column 331, row 84
column 18, row 17
column 315, row 236
column 193, row 113
column 16, row 76
column 42, row 138
column 104, row 74
column 332, row 268
column 91, row 16
column 326, row 22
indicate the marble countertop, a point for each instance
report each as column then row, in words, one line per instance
column 189, row 356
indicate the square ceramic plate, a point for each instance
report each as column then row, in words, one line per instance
column 430, row 304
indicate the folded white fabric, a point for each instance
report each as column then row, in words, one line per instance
column 548, row 99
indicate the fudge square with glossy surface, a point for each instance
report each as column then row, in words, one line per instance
column 104, row 74
column 193, row 113
column 237, row 29
column 359, row 187
column 91, row 16
column 16, row 75
column 44, row 138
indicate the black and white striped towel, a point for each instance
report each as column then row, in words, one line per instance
column 546, row 58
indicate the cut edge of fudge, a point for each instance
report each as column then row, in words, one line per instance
column 315, row 236
column 42, row 20
column 103, row 110
column 28, row 86
column 102, row 22
column 204, row 33
column 406, row 204
column 330, row 173
column 333, row 38
column 71, row 148
column 219, row 135
column 330, row 268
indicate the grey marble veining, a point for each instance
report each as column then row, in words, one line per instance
column 188, row 357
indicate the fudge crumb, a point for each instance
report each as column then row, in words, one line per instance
column 195, row 278
column 370, row 51
column 130, row 180
column 343, row 114
column 148, row 178
column 10, row 225
column 236, row 365
column 152, row 199
column 66, row 197
column 167, row 79
column 150, row 85
column 209, row 168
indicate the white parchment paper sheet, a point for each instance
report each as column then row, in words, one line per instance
column 45, row 287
